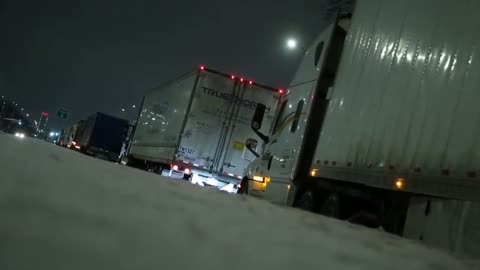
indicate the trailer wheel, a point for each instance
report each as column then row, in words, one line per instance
column 135, row 163
column 306, row 201
column 331, row 206
column 394, row 214
column 155, row 168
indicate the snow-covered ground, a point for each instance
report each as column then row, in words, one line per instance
column 63, row 210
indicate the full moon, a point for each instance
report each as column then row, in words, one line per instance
column 291, row 43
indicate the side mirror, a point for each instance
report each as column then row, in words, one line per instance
column 258, row 116
column 257, row 121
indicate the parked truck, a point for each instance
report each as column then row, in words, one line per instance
column 195, row 126
column 101, row 135
column 67, row 136
column 380, row 124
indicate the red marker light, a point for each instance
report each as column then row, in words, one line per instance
column 250, row 82
column 241, row 79
column 232, row 77
column 280, row 91
column 45, row 113
column 202, row 67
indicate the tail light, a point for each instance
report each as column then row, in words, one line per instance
column 187, row 171
column 175, row 167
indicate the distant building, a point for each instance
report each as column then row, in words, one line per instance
column 42, row 123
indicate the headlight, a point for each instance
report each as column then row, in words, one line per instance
column 259, row 179
column 20, row 135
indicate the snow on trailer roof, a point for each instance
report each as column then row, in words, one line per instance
column 63, row 210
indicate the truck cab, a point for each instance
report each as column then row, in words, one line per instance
column 270, row 176
column 380, row 125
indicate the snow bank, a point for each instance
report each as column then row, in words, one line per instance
column 63, row 210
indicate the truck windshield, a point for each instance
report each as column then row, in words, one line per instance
column 281, row 114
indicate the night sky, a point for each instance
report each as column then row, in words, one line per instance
column 103, row 55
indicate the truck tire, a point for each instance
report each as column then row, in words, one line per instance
column 394, row 214
column 306, row 200
column 135, row 163
column 155, row 168
column 331, row 206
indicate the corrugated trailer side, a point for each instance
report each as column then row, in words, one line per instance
column 405, row 101
column 161, row 119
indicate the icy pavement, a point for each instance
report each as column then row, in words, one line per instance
column 62, row 210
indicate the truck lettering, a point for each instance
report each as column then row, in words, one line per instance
column 185, row 150
column 232, row 98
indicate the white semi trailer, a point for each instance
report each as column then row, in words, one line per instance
column 381, row 124
column 195, row 126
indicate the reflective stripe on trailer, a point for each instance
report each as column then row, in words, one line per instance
column 232, row 175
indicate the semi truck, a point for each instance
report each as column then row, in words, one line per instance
column 67, row 136
column 380, row 124
column 101, row 135
column 194, row 127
